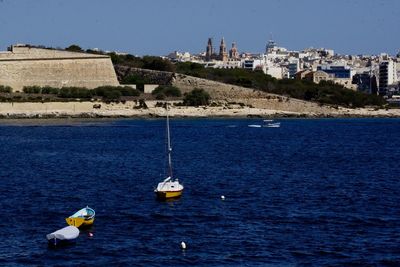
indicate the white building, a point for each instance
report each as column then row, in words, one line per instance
column 387, row 75
column 293, row 67
column 264, row 63
column 179, row 56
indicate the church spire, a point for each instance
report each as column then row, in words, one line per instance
column 223, row 55
column 233, row 53
column 209, row 50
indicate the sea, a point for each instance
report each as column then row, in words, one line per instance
column 313, row 192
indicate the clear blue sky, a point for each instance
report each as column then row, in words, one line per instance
column 157, row 27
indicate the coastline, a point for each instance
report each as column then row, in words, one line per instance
column 87, row 109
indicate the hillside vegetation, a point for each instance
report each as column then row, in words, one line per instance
column 324, row 92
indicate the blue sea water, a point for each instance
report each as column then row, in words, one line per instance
column 321, row 192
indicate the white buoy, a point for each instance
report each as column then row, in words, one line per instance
column 183, row 245
column 223, row 197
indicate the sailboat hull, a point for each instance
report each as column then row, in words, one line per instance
column 79, row 222
column 81, row 218
column 168, row 194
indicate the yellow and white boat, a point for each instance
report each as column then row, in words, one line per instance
column 83, row 217
column 169, row 188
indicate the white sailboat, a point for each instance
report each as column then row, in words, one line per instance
column 170, row 187
column 63, row 236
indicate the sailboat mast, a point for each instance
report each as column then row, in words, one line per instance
column 169, row 146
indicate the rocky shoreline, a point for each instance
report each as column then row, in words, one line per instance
column 53, row 110
column 228, row 101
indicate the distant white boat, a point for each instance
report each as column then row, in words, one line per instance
column 63, row 236
column 273, row 125
column 267, row 123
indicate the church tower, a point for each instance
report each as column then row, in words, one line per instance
column 233, row 53
column 223, row 55
column 209, row 50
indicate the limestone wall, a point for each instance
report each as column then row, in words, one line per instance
column 151, row 76
column 33, row 66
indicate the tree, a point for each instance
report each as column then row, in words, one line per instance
column 74, row 48
column 157, row 63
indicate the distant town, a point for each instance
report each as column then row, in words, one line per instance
column 372, row 74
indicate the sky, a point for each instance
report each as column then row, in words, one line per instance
column 158, row 27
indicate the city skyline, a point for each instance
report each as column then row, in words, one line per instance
column 159, row 27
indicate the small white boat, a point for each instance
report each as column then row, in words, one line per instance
column 63, row 236
column 273, row 125
column 254, row 125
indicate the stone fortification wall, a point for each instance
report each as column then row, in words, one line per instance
column 150, row 76
column 25, row 66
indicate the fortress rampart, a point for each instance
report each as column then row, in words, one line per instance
column 151, row 76
column 27, row 66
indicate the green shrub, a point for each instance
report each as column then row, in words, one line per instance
column 128, row 91
column 32, row 89
column 160, row 96
column 112, row 95
column 123, row 90
column 50, row 90
column 167, row 91
column 197, row 97
column 75, row 92
column 5, row 89
column 40, row 90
